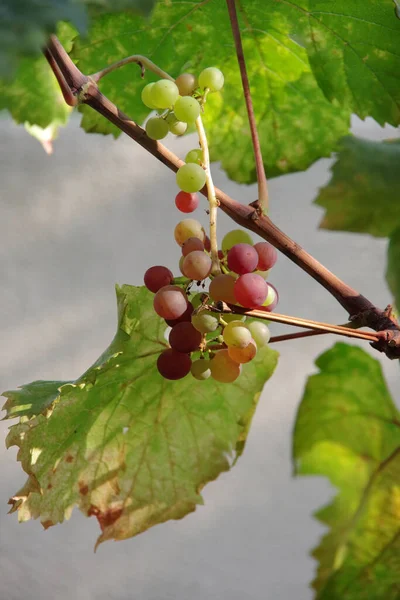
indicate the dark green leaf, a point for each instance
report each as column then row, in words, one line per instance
column 121, row 442
column 348, row 429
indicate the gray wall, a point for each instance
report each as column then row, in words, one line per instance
column 101, row 211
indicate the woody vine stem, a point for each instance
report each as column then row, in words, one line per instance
column 79, row 88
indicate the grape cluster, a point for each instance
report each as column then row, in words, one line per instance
column 203, row 342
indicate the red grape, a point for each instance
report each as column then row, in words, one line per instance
column 173, row 365
column 157, row 277
column 191, row 245
column 184, row 337
column 187, row 315
column 207, row 244
column 242, row 258
column 170, row 302
column 250, row 290
column 267, row 255
column 197, row 265
column 221, row 288
column 186, row 202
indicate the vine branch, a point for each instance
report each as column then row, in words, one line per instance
column 358, row 306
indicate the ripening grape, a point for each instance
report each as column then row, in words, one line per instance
column 186, row 83
column 191, row 245
column 223, row 368
column 267, row 255
column 200, row 369
column 187, row 315
column 197, row 265
column 222, row 288
column 187, row 109
column 205, row 321
column 188, row 228
column 243, row 355
column 174, row 125
column 184, row 337
column 170, row 302
column 146, row 96
column 236, row 236
column 157, row 277
column 272, row 298
column 194, row 156
column 236, row 334
column 250, row 290
column 242, row 258
column 173, row 365
column 211, row 78
column 156, row 128
column 207, row 244
column 263, row 274
column 260, row 332
column 164, row 93
column 190, row 177
column 186, row 202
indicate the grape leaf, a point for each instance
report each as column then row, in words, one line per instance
column 364, row 191
column 348, row 429
column 121, row 442
column 393, row 266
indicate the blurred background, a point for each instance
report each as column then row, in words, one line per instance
column 99, row 212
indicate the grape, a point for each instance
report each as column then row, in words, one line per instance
column 223, row 368
column 211, row 78
column 176, row 127
column 156, row 128
column 190, row 177
column 146, row 96
column 242, row 258
column 186, row 83
column 260, row 332
column 263, row 274
column 236, row 334
column 272, row 298
column 191, row 245
column 170, row 302
column 186, row 202
column 250, row 290
column 182, row 258
column 187, row 109
column 188, row 228
column 201, row 369
column 232, row 317
column 164, row 93
column 173, row 365
column 194, row 156
column 221, row 288
column 207, row 244
column 267, row 255
column 205, row 321
column 236, row 236
column 187, row 315
column 157, row 277
column 184, row 337
column 243, row 355
column 197, row 265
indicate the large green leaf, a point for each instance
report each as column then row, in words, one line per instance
column 393, row 266
column 348, row 429
column 121, row 442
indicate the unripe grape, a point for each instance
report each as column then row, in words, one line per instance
column 200, row 369
column 223, row 368
column 260, row 332
column 188, row 228
column 205, row 321
column 236, row 334
column 272, row 298
column 197, row 265
column 164, row 93
column 190, row 177
column 236, row 236
column 211, row 78
column 156, row 128
column 222, row 288
column 173, row 365
column 170, row 302
column 187, row 109
column 243, row 355
column 146, row 96
column 194, row 156
column 174, row 125
column 186, row 83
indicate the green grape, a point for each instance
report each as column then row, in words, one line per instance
column 190, row 178
column 223, row 368
column 176, row 127
column 228, row 318
column 211, row 78
column 236, row 236
column 186, row 229
column 146, row 96
column 186, row 83
column 156, row 128
column 164, row 93
column 236, row 334
column 200, row 369
column 194, row 156
column 243, row 355
column 187, row 109
column 263, row 274
column 260, row 332
column 205, row 321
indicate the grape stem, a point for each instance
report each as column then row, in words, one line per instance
column 261, row 203
column 300, row 334
column 358, row 307
column 212, row 200
column 142, row 61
